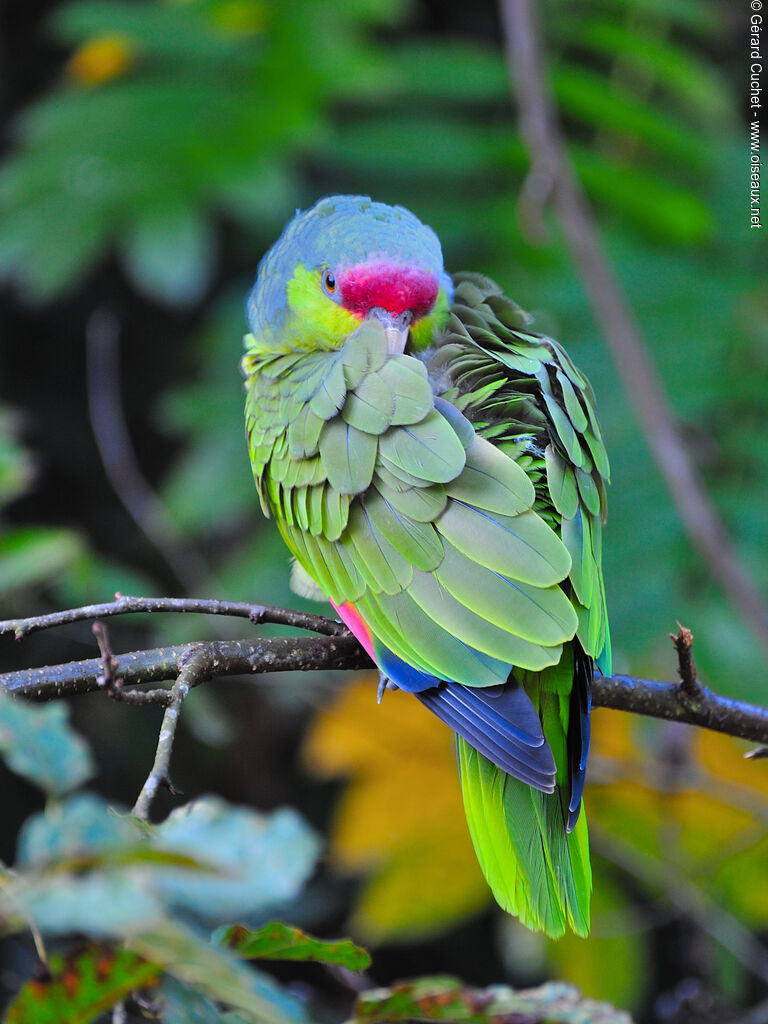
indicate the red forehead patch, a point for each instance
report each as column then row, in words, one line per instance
column 391, row 286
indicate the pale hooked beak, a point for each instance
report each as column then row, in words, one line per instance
column 396, row 328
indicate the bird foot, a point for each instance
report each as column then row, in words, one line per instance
column 385, row 683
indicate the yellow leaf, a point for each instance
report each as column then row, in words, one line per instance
column 617, row 939
column 401, row 815
column 704, row 815
column 401, row 821
column 101, row 59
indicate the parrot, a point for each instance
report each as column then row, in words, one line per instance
column 437, row 472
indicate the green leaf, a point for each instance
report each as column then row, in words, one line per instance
column 109, row 903
column 278, row 941
column 584, row 94
column 170, row 257
column 216, row 973
column 412, row 144
column 183, row 1004
column 694, row 82
column 446, row 998
column 80, row 986
column 82, row 825
column 648, row 200
column 457, row 71
column 16, row 468
column 263, row 860
column 38, row 743
column 32, row 555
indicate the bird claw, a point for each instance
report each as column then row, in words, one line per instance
column 385, row 683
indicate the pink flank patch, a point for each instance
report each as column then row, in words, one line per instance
column 353, row 620
column 391, row 286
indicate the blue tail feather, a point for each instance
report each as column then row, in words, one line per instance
column 494, row 733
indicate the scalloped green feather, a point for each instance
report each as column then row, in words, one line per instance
column 365, row 351
column 573, row 406
column 330, row 565
column 543, row 616
column 348, row 456
column 423, row 504
column 577, row 539
column 468, row 627
column 592, row 627
column 335, row 513
column 457, row 420
column 416, row 541
column 297, row 499
column 304, row 433
column 315, row 509
column 391, row 472
column 371, row 407
column 561, row 483
column 588, row 491
column 329, row 397
column 428, row 451
column 379, row 563
column 493, row 481
column 564, row 428
column 442, row 654
column 406, row 379
column 521, row 547
column 599, row 454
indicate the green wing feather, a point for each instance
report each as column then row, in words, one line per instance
column 536, row 868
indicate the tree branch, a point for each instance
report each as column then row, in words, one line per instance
column 666, row 700
column 192, row 671
column 228, row 658
column 125, row 605
column 670, row 701
column 552, row 175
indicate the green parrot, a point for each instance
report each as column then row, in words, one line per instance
column 436, row 469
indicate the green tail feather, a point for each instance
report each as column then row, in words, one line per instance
column 535, row 870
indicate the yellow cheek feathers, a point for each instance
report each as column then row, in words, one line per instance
column 315, row 320
column 423, row 331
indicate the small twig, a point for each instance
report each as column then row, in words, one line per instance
column 108, row 680
column 160, row 696
column 757, row 753
column 196, row 667
column 125, row 605
column 121, row 465
column 689, row 899
column 551, row 162
column 683, row 641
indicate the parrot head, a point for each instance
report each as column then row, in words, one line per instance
column 341, row 262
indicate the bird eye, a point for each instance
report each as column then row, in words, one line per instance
column 329, row 282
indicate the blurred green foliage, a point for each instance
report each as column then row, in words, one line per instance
column 145, row 896
column 174, row 144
